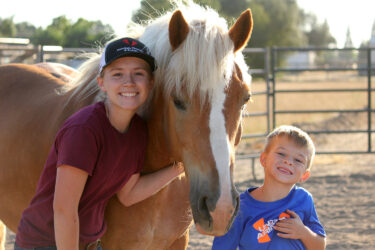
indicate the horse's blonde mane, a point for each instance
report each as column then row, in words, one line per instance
column 202, row 62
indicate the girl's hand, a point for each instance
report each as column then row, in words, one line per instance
column 179, row 167
column 291, row 228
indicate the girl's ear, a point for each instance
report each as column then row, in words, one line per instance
column 152, row 81
column 99, row 79
column 305, row 176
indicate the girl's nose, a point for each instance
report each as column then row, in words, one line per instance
column 127, row 80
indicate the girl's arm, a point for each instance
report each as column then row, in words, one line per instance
column 139, row 188
column 70, row 182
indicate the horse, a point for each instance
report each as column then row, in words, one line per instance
column 61, row 71
column 194, row 116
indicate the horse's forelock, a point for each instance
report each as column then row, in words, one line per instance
column 204, row 60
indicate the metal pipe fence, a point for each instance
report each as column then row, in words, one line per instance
column 270, row 73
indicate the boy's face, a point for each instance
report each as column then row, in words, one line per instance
column 285, row 161
column 127, row 81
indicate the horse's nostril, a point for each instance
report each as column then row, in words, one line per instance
column 202, row 205
column 203, row 209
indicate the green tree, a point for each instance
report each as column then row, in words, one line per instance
column 25, row 30
column 232, row 8
column 54, row 34
column 7, row 27
column 318, row 34
column 82, row 33
column 85, row 33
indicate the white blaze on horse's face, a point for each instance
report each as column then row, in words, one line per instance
column 221, row 147
column 208, row 80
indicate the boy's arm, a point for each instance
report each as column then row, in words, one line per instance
column 293, row 228
column 139, row 188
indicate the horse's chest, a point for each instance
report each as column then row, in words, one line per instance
column 171, row 220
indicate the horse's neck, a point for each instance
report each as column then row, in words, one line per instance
column 158, row 153
column 74, row 101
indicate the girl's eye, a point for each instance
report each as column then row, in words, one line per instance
column 140, row 73
column 117, row 74
column 282, row 154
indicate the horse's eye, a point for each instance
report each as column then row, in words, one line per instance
column 247, row 98
column 179, row 104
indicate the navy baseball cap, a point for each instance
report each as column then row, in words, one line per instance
column 126, row 47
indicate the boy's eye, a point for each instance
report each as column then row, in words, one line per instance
column 280, row 153
column 300, row 161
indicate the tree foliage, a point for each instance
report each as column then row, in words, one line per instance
column 7, row 27
column 276, row 23
column 61, row 31
column 318, row 34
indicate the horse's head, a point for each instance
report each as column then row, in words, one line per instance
column 205, row 84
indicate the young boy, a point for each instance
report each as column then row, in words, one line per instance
column 278, row 214
column 98, row 152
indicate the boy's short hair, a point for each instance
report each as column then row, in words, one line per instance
column 297, row 135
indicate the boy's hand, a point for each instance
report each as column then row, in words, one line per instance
column 291, row 228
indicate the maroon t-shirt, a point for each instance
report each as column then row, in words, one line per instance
column 86, row 141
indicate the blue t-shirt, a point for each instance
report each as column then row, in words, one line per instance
column 253, row 226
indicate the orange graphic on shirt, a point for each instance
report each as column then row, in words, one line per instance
column 283, row 216
column 265, row 228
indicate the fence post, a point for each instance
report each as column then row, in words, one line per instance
column 369, row 72
column 267, row 78
column 40, row 54
column 273, row 78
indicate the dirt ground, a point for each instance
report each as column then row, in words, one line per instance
column 343, row 187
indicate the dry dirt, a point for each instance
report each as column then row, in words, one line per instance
column 343, row 187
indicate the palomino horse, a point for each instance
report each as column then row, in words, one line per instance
column 61, row 71
column 193, row 115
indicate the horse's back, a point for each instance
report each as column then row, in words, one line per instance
column 28, row 102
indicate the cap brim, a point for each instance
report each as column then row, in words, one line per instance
column 150, row 60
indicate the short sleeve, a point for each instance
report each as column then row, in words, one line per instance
column 312, row 221
column 77, row 146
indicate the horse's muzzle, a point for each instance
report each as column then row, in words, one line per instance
column 211, row 219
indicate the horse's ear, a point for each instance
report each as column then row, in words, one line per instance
column 240, row 32
column 178, row 29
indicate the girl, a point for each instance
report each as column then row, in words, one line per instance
column 98, row 152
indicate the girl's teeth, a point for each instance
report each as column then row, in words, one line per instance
column 128, row 94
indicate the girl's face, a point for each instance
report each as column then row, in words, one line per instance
column 285, row 161
column 127, row 82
